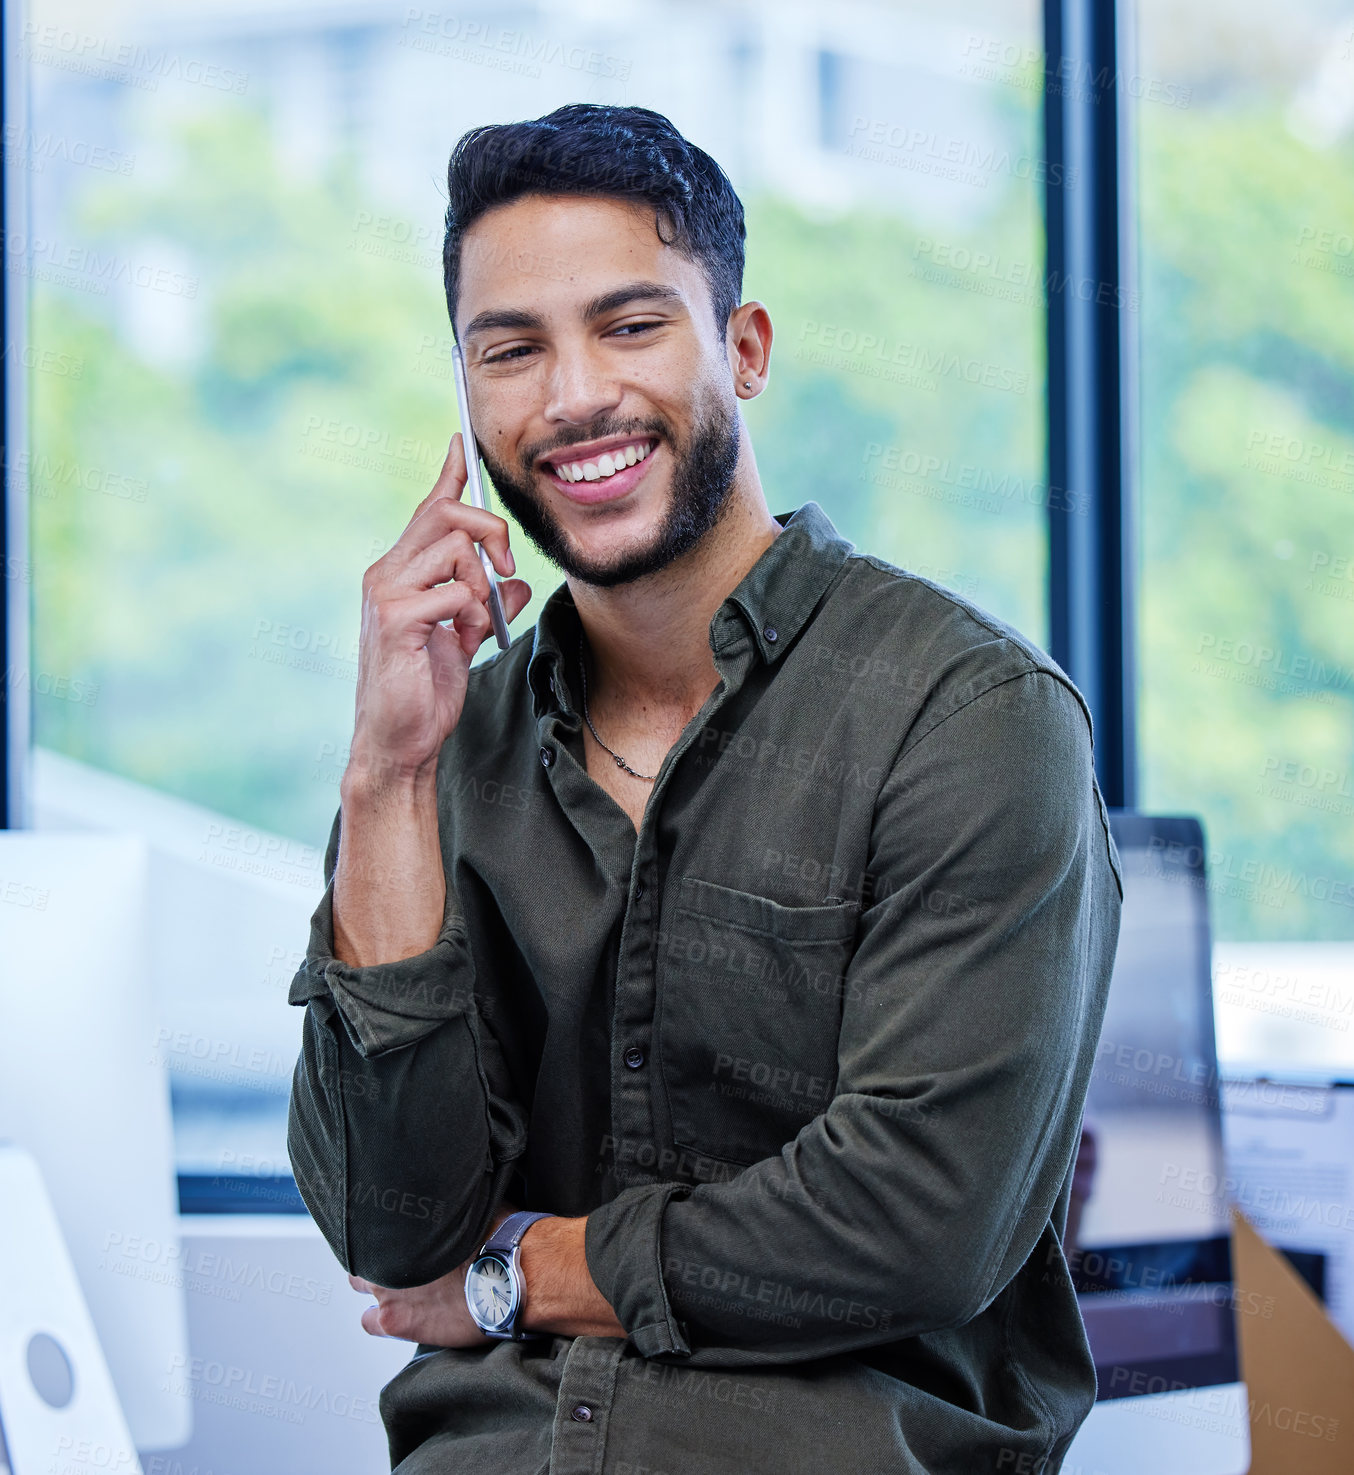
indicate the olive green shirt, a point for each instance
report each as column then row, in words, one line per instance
column 809, row 1050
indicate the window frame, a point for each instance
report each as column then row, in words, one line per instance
column 15, row 607
column 1092, row 374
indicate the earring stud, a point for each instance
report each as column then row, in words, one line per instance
column 747, row 383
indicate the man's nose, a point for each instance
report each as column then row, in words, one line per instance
column 579, row 390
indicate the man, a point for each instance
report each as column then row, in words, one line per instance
column 751, row 922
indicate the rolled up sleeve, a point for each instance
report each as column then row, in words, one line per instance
column 971, row 1010
column 385, row 1006
column 403, row 1127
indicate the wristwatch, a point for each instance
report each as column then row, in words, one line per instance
column 493, row 1283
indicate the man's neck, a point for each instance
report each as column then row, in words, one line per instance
column 649, row 641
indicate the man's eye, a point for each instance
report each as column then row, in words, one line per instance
column 503, row 357
column 628, row 329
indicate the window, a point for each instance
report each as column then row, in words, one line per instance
column 240, row 387
column 1245, row 137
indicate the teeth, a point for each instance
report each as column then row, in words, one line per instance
column 605, row 465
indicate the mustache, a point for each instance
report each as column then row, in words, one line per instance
column 598, row 430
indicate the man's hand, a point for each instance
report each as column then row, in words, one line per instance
column 561, row 1296
column 412, row 669
column 435, row 1314
column 412, row 672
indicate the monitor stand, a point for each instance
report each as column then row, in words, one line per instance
column 61, row 1415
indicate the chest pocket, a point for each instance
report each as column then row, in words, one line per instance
column 749, row 1014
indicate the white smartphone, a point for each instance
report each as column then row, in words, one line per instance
column 475, row 486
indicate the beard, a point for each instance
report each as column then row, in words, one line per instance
column 702, row 481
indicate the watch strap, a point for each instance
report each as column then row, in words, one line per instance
column 505, row 1238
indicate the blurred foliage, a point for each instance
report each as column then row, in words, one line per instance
column 215, row 602
column 218, row 613
column 1247, row 475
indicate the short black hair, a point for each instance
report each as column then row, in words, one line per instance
column 599, row 149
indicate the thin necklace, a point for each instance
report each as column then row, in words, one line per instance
column 620, row 762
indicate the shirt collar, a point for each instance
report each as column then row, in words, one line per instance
column 772, row 603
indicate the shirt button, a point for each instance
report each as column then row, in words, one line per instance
column 547, row 756
column 581, row 1412
column 634, row 1057
column 770, row 633
column 639, row 890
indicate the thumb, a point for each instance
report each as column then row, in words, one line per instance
column 516, row 595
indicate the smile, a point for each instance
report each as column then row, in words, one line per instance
column 572, row 467
column 603, row 471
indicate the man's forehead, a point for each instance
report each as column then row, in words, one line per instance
column 561, row 218
column 553, row 254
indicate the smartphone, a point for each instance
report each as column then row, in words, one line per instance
column 475, row 486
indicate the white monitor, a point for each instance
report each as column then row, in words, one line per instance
column 1148, row 1237
column 83, row 1091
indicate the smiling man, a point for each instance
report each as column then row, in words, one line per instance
column 702, row 1002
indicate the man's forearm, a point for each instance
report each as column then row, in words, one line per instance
column 389, row 885
column 560, row 1294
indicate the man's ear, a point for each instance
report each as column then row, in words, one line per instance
column 748, row 342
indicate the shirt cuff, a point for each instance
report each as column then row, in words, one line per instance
column 622, row 1243
column 387, row 1005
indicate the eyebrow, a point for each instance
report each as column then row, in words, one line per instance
column 493, row 319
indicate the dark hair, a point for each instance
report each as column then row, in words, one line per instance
column 597, row 149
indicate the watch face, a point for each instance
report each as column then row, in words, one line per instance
column 491, row 1293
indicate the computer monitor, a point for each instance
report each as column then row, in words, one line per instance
column 1149, row 1232
column 83, row 1091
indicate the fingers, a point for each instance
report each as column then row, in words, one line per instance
column 409, row 619
column 448, row 488
column 474, row 624
column 371, row 1322
column 371, row 1315
column 440, row 513
column 453, row 556
column 419, row 555
column 451, row 479
column 417, row 614
column 438, row 519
